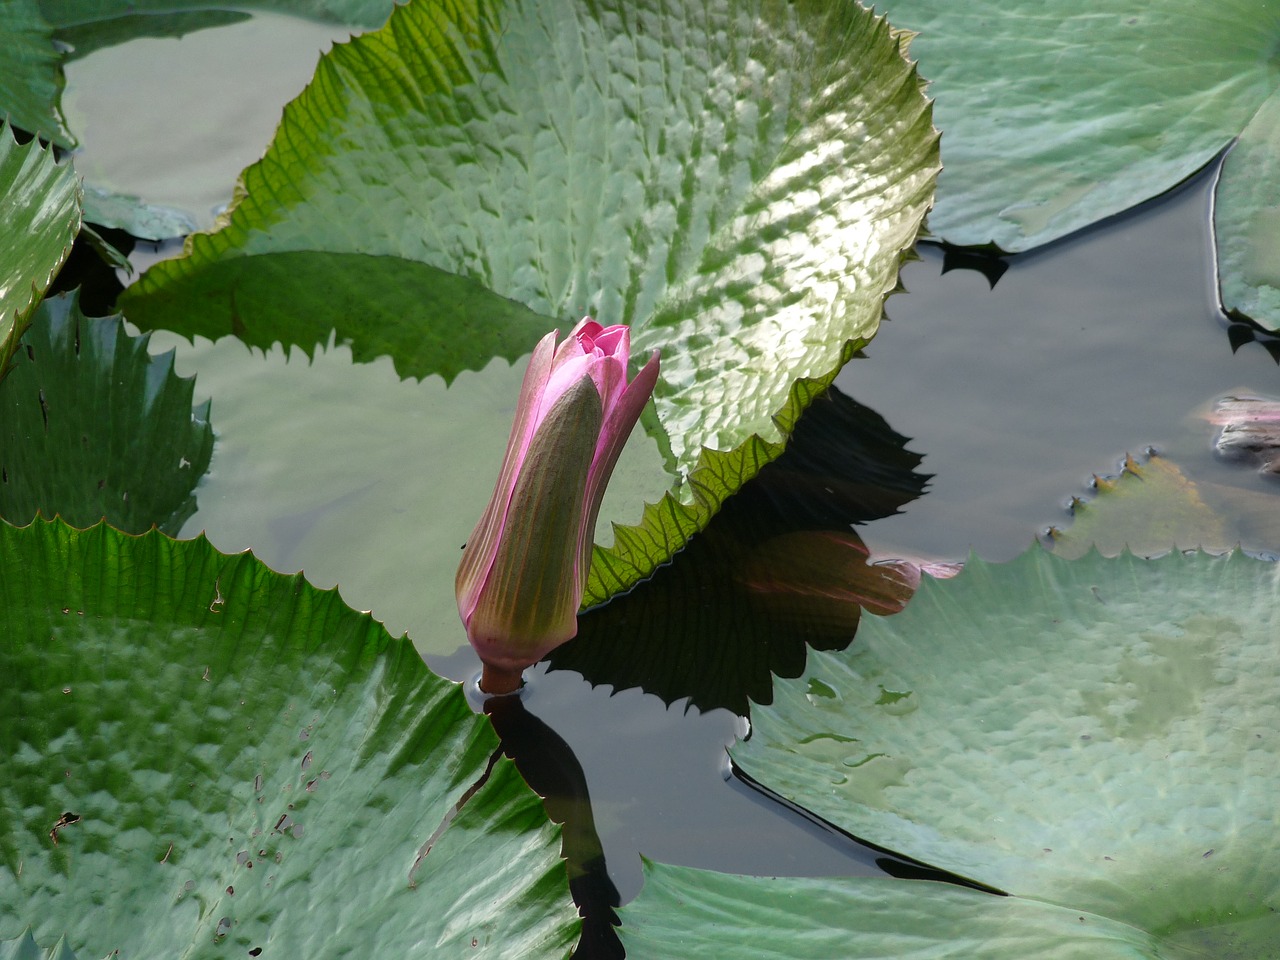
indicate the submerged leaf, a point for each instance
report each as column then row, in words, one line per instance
column 1096, row 734
column 195, row 751
column 92, row 426
column 1150, row 508
column 739, row 183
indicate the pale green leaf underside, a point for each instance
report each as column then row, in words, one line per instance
column 93, row 426
column 1247, row 220
column 40, row 213
column 684, row 912
column 1060, row 113
column 253, row 765
column 1097, row 733
column 739, row 181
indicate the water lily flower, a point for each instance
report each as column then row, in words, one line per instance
column 524, row 569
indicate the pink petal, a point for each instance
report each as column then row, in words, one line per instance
column 481, row 546
column 619, row 419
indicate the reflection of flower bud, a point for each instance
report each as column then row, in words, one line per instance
column 524, row 570
column 825, row 579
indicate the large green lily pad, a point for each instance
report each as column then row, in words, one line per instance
column 1097, row 734
column 1059, row 114
column 93, row 426
column 30, row 79
column 40, row 210
column 688, row 912
column 739, row 182
column 1247, row 220
column 26, row 948
column 199, row 756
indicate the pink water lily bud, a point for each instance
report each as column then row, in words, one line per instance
column 524, row 569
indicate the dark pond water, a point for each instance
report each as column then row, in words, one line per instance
column 1012, row 395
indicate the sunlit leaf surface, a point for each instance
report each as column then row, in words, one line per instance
column 738, row 180
column 92, row 426
column 40, row 213
column 1097, row 734
column 201, row 757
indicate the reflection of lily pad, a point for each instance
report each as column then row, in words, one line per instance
column 228, row 756
column 776, row 571
column 740, row 183
column 1097, row 734
column 92, row 426
column 1150, row 508
column 31, row 81
column 40, row 210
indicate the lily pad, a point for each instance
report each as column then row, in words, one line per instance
column 687, row 912
column 1247, row 220
column 1097, row 734
column 106, row 27
column 1150, row 508
column 198, row 753
column 92, row 426
column 25, row 948
column 1060, row 114
column 776, row 571
column 738, row 183
column 40, row 208
column 174, row 17
column 30, row 79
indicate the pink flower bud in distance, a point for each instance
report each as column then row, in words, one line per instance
column 524, row 569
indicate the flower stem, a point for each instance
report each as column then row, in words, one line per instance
column 497, row 681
